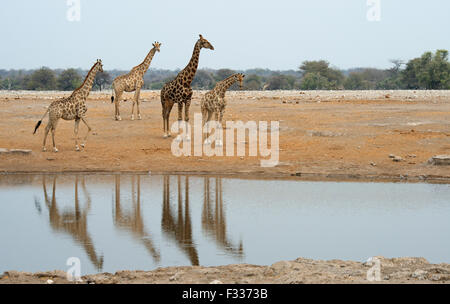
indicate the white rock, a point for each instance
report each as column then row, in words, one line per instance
column 440, row 160
column 420, row 274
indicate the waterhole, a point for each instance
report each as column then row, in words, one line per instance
column 142, row 222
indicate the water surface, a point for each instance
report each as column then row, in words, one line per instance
column 124, row 222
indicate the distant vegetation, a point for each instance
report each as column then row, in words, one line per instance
column 430, row 71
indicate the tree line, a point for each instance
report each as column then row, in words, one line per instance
column 429, row 71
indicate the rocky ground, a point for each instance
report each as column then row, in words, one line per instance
column 323, row 134
column 300, row 271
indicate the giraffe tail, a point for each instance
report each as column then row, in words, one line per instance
column 112, row 93
column 40, row 122
column 37, row 126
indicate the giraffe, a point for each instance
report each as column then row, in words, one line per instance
column 71, row 108
column 133, row 81
column 179, row 90
column 214, row 101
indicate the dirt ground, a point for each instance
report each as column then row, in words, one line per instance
column 338, row 135
column 300, row 271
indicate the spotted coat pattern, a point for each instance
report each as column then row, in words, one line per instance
column 71, row 108
column 179, row 90
column 213, row 102
column 132, row 82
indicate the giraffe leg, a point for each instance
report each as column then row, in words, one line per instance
column 53, row 136
column 47, row 129
column 222, row 110
column 216, row 114
column 117, row 105
column 180, row 113
column 132, row 109
column 186, row 116
column 169, row 109
column 180, row 117
column 77, row 122
column 204, row 115
column 87, row 133
column 219, row 116
column 137, row 95
column 164, row 119
column 210, row 113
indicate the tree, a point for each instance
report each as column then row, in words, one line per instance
column 314, row 81
column 365, row 79
column 203, row 80
column 42, row 79
column 438, row 71
column 429, row 71
column 223, row 73
column 253, row 82
column 354, row 81
column 395, row 70
column 101, row 79
column 69, row 80
column 156, row 85
column 280, row 82
column 323, row 75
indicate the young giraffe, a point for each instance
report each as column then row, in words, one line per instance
column 179, row 90
column 133, row 81
column 71, row 108
column 214, row 100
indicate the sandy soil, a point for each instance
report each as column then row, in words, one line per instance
column 337, row 135
column 300, row 271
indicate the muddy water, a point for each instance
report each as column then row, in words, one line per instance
column 118, row 222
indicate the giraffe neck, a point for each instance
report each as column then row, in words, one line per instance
column 84, row 90
column 189, row 71
column 143, row 67
column 223, row 86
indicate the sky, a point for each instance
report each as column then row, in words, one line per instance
column 275, row 34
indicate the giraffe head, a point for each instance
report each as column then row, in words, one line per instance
column 100, row 65
column 205, row 43
column 156, row 46
column 240, row 78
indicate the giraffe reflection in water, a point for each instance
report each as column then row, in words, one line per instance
column 213, row 218
column 73, row 221
column 176, row 221
column 179, row 227
column 132, row 221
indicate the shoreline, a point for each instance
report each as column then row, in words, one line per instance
column 298, row 176
column 406, row 270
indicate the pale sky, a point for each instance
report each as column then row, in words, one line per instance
column 246, row 34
